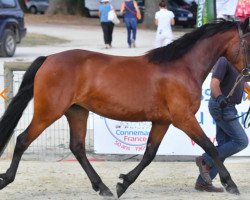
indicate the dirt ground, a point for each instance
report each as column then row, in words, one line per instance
column 159, row 181
column 60, row 19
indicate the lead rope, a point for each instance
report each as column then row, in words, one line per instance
column 238, row 79
column 246, row 121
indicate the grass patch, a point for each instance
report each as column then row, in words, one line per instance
column 34, row 39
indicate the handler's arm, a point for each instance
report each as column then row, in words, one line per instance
column 215, row 87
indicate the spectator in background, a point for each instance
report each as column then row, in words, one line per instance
column 164, row 19
column 129, row 8
column 107, row 26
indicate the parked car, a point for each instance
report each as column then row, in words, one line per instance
column 12, row 28
column 189, row 5
column 37, row 6
column 183, row 17
column 91, row 7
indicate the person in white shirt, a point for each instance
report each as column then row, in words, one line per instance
column 164, row 19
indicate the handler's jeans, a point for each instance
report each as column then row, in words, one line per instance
column 131, row 24
column 230, row 135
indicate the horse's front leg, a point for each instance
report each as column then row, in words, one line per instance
column 192, row 128
column 155, row 137
column 77, row 118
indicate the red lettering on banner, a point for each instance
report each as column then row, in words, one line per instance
column 140, row 148
column 213, row 139
column 135, row 139
column 122, row 146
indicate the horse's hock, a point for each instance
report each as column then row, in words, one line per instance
column 53, row 144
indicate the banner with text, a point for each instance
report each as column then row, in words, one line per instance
column 119, row 137
column 205, row 12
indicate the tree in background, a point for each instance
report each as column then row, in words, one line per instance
column 71, row 7
column 149, row 16
column 23, row 6
column 57, row 7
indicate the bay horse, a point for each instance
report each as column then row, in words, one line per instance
column 163, row 87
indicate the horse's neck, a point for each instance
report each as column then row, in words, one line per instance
column 204, row 56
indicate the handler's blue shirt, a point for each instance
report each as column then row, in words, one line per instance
column 227, row 74
column 104, row 9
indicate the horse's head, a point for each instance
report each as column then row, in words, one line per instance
column 238, row 51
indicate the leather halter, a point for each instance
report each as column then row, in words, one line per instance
column 246, row 70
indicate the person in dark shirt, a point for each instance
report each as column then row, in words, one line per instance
column 230, row 135
column 129, row 9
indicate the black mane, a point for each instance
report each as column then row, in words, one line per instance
column 181, row 46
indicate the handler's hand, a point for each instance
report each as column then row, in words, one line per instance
column 222, row 101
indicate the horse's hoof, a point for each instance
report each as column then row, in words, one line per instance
column 122, row 176
column 95, row 187
column 120, row 189
column 233, row 190
column 106, row 193
column 5, row 180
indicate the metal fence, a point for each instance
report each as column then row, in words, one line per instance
column 53, row 143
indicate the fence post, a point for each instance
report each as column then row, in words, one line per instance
column 9, row 67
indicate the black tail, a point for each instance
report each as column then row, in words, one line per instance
column 16, row 107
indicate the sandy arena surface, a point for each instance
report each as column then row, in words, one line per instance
column 160, row 180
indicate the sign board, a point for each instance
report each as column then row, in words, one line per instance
column 119, row 137
column 205, row 12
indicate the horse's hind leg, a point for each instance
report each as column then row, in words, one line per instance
column 192, row 128
column 77, row 118
column 36, row 127
column 155, row 137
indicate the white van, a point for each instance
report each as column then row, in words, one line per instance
column 92, row 6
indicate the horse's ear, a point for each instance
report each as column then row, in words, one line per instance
column 245, row 25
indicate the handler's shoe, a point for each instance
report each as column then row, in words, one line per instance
column 204, row 169
column 133, row 43
column 208, row 187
